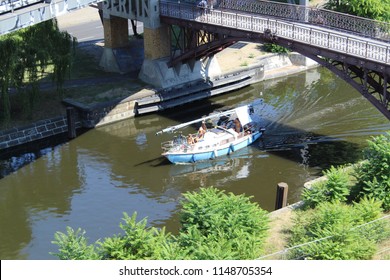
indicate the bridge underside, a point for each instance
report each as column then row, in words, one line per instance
column 198, row 39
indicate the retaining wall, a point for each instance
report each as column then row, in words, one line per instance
column 36, row 131
column 103, row 113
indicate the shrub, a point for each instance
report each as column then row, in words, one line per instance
column 138, row 242
column 73, row 245
column 225, row 226
column 336, row 231
column 373, row 175
column 336, row 187
column 275, row 48
column 214, row 226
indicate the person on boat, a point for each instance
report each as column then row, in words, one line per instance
column 222, row 121
column 237, row 125
column 190, row 139
column 247, row 129
column 202, row 130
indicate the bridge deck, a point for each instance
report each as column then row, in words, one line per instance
column 338, row 41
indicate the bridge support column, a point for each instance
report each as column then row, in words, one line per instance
column 154, row 70
column 115, row 42
column 157, row 42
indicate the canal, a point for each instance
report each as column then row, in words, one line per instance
column 313, row 120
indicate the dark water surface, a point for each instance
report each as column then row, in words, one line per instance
column 313, row 120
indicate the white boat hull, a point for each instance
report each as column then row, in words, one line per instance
column 188, row 156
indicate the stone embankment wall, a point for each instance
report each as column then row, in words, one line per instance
column 103, row 113
column 37, row 131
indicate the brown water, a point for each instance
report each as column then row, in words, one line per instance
column 313, row 120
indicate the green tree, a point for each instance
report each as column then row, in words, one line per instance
column 373, row 9
column 9, row 55
column 26, row 55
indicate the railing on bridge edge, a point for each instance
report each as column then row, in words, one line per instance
column 44, row 12
column 312, row 15
column 336, row 41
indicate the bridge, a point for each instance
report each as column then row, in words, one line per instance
column 356, row 49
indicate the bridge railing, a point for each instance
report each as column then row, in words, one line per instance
column 327, row 39
column 331, row 19
column 47, row 11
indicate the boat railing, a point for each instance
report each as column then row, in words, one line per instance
column 179, row 143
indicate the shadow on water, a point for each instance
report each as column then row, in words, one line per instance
column 14, row 158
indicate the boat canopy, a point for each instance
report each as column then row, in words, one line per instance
column 243, row 115
column 241, row 112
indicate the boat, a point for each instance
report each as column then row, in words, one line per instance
column 219, row 134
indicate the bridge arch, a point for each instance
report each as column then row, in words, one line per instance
column 363, row 60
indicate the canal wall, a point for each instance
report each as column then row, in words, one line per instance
column 36, row 131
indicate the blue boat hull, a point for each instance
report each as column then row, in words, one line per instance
column 193, row 157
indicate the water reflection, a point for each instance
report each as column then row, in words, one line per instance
column 313, row 120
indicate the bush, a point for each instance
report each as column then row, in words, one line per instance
column 373, row 175
column 216, row 225
column 73, row 246
column 336, row 231
column 139, row 242
column 336, row 187
column 275, row 48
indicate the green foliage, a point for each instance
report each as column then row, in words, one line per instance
column 373, row 9
column 137, row 242
column 336, row 231
column 62, row 58
column 275, row 48
column 25, row 55
column 373, row 174
column 224, row 226
column 9, row 53
column 73, row 246
column 336, row 187
column 215, row 226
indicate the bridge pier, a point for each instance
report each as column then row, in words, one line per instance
column 115, row 42
column 155, row 70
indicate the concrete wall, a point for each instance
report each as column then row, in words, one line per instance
column 104, row 113
column 39, row 130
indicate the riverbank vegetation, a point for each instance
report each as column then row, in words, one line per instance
column 344, row 216
column 214, row 225
column 28, row 56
